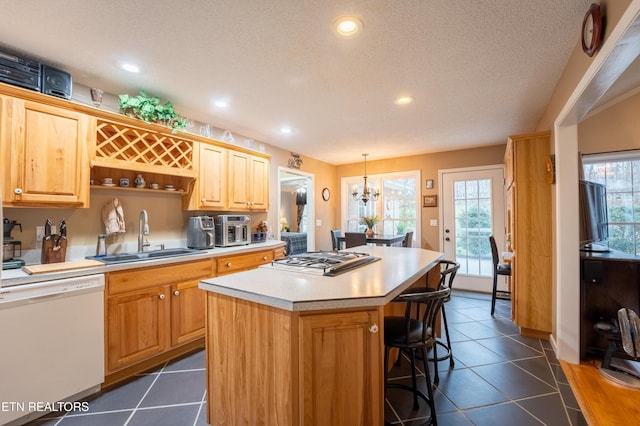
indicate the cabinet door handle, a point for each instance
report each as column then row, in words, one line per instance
column 176, row 293
column 264, row 257
column 228, row 264
column 17, row 191
column 373, row 328
column 161, row 296
column 203, row 200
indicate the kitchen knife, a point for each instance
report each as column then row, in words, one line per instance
column 47, row 230
column 63, row 229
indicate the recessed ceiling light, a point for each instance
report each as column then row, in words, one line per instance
column 348, row 26
column 220, row 103
column 131, row 67
column 403, row 100
column 285, row 130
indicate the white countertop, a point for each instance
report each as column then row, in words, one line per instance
column 12, row 277
column 374, row 284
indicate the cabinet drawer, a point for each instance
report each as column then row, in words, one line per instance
column 142, row 278
column 229, row 264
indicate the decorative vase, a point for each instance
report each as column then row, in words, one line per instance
column 370, row 232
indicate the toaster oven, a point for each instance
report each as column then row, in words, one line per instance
column 231, row 230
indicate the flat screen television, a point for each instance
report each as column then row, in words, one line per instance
column 593, row 215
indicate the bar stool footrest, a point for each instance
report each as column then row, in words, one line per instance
column 447, row 353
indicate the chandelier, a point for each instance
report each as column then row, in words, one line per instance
column 366, row 192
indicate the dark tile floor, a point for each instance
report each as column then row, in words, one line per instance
column 500, row 378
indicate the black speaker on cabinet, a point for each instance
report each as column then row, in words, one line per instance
column 55, row 82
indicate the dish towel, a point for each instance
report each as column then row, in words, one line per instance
column 113, row 217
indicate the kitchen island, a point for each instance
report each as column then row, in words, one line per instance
column 292, row 348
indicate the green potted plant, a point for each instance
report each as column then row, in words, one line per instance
column 149, row 109
column 370, row 221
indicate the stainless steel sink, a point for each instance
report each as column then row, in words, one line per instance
column 145, row 255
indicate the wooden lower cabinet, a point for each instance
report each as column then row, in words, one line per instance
column 137, row 326
column 151, row 312
column 274, row 367
column 244, row 262
column 187, row 313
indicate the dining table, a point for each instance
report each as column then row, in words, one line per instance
column 378, row 239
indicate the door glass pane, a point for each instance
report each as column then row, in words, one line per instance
column 472, row 210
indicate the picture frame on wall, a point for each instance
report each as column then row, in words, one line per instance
column 430, row 201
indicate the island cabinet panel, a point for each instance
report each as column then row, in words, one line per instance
column 269, row 366
column 251, row 362
column 342, row 367
column 45, row 154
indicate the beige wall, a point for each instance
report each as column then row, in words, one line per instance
column 428, row 164
column 617, row 128
column 578, row 64
column 574, row 71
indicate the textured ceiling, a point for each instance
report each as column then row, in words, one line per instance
column 479, row 70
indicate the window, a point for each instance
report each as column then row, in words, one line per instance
column 398, row 206
column 620, row 174
column 473, row 215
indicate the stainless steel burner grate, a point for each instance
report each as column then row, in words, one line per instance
column 328, row 263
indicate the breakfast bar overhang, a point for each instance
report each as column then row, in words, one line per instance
column 293, row 348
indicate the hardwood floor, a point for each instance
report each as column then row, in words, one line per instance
column 602, row 402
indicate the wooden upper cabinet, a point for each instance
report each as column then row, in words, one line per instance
column 248, row 182
column 45, row 154
column 210, row 189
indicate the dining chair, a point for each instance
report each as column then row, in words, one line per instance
column 498, row 269
column 335, row 244
column 410, row 335
column 408, row 239
column 354, row 239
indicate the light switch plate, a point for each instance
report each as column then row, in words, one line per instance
column 433, row 222
column 318, row 222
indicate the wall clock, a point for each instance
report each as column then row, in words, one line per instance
column 326, row 194
column 592, row 30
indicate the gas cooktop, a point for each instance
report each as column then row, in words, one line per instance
column 327, row 263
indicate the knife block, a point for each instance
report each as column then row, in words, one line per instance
column 54, row 250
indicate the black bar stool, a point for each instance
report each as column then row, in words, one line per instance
column 410, row 335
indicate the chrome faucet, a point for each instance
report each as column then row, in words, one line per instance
column 143, row 229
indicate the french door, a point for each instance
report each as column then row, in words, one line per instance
column 472, row 209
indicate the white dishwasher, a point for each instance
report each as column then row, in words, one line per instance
column 51, row 346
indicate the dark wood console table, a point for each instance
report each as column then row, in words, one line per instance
column 608, row 281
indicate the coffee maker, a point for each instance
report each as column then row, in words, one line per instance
column 200, row 232
column 10, row 246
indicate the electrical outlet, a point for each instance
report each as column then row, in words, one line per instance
column 40, row 234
